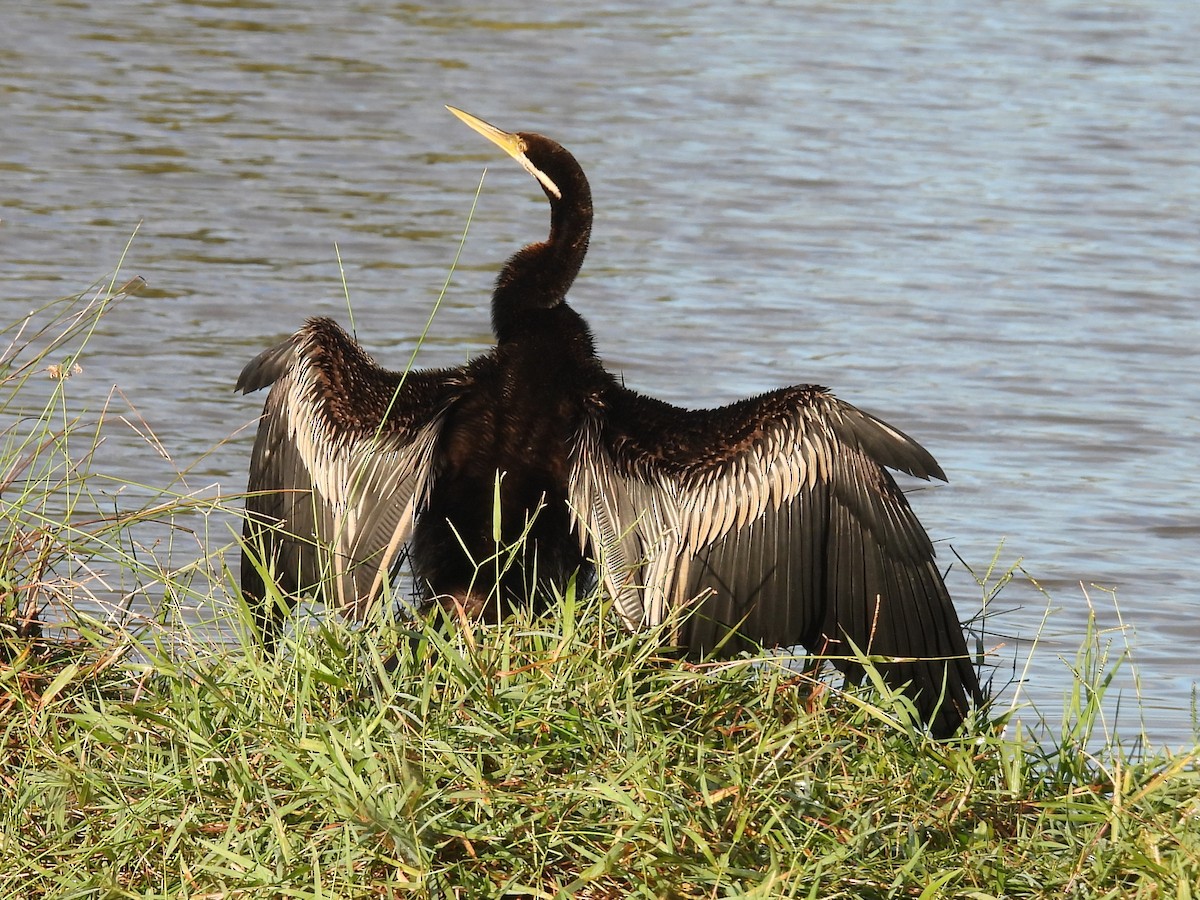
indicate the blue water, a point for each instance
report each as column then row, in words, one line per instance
column 981, row 225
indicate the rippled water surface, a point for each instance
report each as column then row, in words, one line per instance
column 981, row 225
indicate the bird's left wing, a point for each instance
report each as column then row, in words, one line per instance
column 341, row 463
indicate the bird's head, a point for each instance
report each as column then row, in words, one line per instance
column 546, row 160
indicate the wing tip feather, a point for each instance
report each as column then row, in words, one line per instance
column 269, row 366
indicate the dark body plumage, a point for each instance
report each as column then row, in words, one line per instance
column 775, row 514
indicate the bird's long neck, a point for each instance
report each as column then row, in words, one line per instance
column 538, row 276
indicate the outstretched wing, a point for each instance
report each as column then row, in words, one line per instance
column 777, row 517
column 342, row 461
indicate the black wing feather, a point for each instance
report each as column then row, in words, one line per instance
column 828, row 552
column 343, row 457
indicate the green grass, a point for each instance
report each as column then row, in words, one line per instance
column 542, row 758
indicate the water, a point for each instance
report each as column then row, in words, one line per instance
column 980, row 224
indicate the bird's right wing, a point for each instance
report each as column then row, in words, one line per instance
column 775, row 520
column 341, row 463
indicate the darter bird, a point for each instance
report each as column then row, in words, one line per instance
column 771, row 521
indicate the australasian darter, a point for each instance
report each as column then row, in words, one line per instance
column 776, row 515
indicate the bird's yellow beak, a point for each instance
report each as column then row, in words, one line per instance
column 512, row 144
column 509, row 143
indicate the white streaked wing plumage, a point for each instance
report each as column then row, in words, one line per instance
column 632, row 526
column 353, row 494
column 646, row 529
column 792, row 532
column 649, row 529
